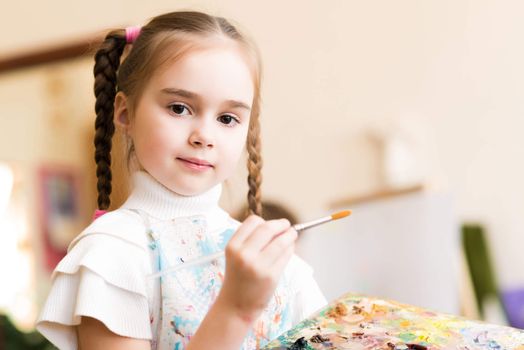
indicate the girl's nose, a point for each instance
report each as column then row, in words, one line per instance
column 202, row 135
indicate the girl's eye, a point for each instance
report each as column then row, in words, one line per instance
column 228, row 120
column 179, row 109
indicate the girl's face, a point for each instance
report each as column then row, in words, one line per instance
column 190, row 124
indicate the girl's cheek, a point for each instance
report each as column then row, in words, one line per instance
column 154, row 146
column 237, row 156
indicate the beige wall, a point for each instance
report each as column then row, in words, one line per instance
column 333, row 69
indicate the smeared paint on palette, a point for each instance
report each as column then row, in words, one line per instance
column 362, row 323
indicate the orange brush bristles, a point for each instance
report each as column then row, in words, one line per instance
column 341, row 214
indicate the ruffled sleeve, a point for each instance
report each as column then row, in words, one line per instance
column 104, row 277
column 307, row 296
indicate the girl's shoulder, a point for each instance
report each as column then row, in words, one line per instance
column 121, row 224
column 115, row 248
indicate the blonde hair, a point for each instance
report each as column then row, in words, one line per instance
column 165, row 38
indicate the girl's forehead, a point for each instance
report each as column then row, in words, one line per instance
column 217, row 72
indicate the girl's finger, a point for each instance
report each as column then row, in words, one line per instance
column 281, row 261
column 278, row 246
column 264, row 234
column 245, row 229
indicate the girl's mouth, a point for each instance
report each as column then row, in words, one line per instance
column 195, row 164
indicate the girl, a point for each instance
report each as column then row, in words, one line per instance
column 187, row 98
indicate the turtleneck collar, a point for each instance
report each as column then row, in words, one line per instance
column 158, row 201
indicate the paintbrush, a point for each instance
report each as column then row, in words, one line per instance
column 214, row 256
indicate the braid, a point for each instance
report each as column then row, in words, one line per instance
column 107, row 61
column 254, row 166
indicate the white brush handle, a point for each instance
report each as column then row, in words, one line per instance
column 301, row 227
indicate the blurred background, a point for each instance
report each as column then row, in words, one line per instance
column 410, row 113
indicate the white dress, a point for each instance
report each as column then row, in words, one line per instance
column 105, row 273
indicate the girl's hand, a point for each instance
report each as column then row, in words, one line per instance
column 256, row 256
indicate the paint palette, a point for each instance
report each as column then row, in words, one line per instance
column 361, row 323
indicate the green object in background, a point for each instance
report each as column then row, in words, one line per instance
column 480, row 267
column 13, row 339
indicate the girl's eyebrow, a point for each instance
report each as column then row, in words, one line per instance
column 179, row 92
column 192, row 95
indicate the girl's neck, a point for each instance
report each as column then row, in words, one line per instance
column 160, row 202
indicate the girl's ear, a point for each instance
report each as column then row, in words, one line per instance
column 121, row 113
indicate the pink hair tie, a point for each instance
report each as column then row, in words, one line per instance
column 98, row 213
column 132, row 33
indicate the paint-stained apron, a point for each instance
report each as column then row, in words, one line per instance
column 187, row 294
